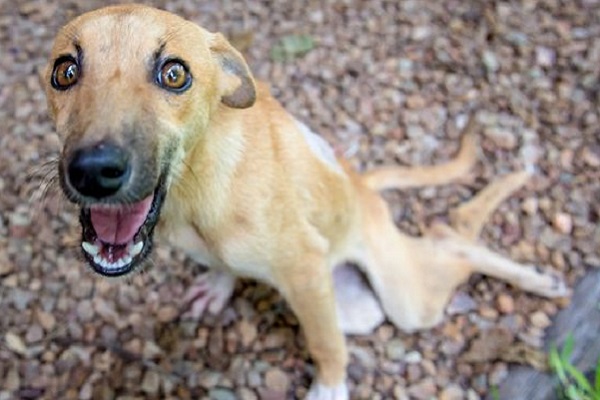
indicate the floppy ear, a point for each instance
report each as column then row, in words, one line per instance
column 237, row 85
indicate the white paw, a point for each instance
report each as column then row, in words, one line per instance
column 358, row 310
column 321, row 392
column 209, row 292
column 547, row 285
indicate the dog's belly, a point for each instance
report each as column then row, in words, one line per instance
column 319, row 147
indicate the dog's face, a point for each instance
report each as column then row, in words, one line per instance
column 130, row 89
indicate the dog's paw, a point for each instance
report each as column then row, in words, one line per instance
column 321, row 392
column 550, row 285
column 209, row 292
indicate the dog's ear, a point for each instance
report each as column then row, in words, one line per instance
column 237, row 85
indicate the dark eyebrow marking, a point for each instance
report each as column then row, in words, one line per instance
column 79, row 50
column 158, row 53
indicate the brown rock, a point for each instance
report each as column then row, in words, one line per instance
column 505, row 303
column 276, row 379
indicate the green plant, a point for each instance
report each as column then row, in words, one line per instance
column 292, row 46
column 573, row 384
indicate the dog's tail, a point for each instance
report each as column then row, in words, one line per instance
column 407, row 177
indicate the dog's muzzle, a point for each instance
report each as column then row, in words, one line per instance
column 117, row 225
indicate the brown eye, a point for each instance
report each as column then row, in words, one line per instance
column 174, row 76
column 65, row 73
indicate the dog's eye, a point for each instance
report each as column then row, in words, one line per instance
column 174, row 76
column 65, row 73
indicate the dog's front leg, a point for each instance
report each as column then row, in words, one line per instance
column 308, row 288
column 209, row 292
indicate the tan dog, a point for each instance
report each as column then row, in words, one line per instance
column 163, row 125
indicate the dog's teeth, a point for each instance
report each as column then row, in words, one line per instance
column 126, row 260
column 91, row 249
column 136, row 249
column 97, row 259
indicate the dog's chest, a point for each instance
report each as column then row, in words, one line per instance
column 187, row 239
column 236, row 257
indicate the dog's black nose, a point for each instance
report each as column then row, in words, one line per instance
column 99, row 171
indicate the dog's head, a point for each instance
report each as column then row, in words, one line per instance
column 129, row 89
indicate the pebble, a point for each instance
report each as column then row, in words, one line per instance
column 15, row 343
column 85, row 311
column 452, row 392
column 167, row 313
column 505, row 303
column 423, row 390
column 395, row 349
column 222, row 394
column 277, row 379
column 540, row 320
column 563, row 223
column 413, row 357
column 248, row 332
column 34, row 334
column 503, row 138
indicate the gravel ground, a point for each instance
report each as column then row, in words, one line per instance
column 392, row 81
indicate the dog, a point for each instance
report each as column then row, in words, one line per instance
column 163, row 126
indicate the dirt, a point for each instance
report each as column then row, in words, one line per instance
column 391, row 83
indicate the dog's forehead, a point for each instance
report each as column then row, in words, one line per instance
column 122, row 34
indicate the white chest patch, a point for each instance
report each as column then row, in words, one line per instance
column 319, row 147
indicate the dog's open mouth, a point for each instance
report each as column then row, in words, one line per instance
column 118, row 238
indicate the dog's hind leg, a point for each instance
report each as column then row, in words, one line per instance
column 468, row 219
column 485, row 261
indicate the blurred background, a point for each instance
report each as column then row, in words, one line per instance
column 390, row 82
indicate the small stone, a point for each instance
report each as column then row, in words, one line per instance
column 498, row 374
column 395, row 349
column 415, row 101
column 423, row 390
column 151, row 382
column 209, row 379
column 15, row 343
column 247, row 332
column 421, row 32
column 540, row 320
column 34, row 334
column 563, row 223
column 530, row 205
column 413, row 357
column 490, row 61
column 85, row 311
column 461, row 303
column 12, row 381
column 221, row 394
column 502, row 138
column 544, row 56
column 505, row 303
column 167, row 313
column 276, row 379
column 452, row 392
column 591, row 156
column 246, row 394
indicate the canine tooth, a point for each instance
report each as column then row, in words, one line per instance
column 98, row 259
column 91, row 249
column 136, row 249
column 126, row 260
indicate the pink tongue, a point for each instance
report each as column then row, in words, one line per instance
column 118, row 225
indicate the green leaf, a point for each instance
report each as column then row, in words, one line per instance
column 580, row 379
column 567, row 348
column 597, row 379
column 556, row 364
column 291, row 47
